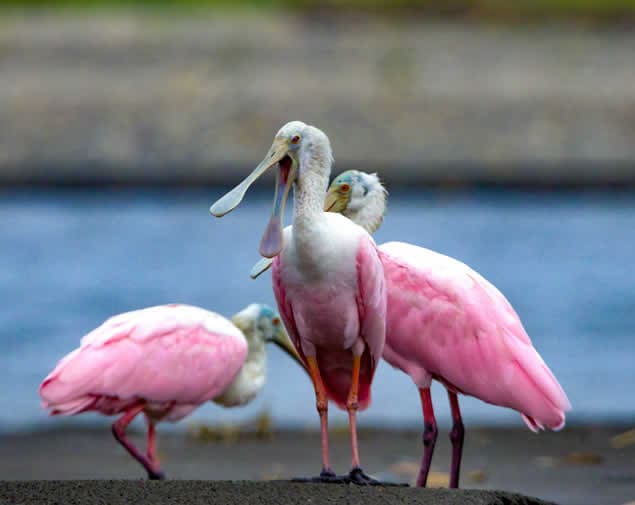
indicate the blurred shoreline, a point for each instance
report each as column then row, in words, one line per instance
column 580, row 465
column 123, row 98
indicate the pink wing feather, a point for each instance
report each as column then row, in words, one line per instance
column 174, row 356
column 371, row 304
column 447, row 319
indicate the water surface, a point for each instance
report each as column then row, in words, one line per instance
column 73, row 258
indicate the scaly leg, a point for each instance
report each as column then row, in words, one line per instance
column 151, row 449
column 430, row 433
column 456, row 437
column 119, row 431
column 356, row 474
column 327, row 474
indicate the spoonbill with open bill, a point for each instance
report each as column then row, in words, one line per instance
column 328, row 281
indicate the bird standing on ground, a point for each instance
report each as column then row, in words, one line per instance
column 446, row 322
column 164, row 362
column 327, row 279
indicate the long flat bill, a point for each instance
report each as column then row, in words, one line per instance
column 260, row 267
column 230, row 200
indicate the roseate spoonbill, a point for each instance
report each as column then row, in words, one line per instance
column 444, row 321
column 327, row 279
column 164, row 361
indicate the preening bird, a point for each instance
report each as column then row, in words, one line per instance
column 327, row 278
column 164, row 362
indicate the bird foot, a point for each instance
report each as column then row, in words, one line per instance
column 158, row 475
column 326, row 477
column 357, row 476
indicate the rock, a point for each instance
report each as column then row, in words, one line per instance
column 116, row 492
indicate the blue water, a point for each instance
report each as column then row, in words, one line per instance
column 70, row 259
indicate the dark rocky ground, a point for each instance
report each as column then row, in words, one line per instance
column 242, row 493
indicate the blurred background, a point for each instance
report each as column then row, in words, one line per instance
column 505, row 133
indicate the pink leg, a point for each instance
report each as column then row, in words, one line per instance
column 119, row 431
column 151, row 449
column 430, row 433
column 356, row 474
column 322, row 407
column 456, row 437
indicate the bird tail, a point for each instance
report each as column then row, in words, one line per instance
column 62, row 397
column 336, row 377
column 543, row 403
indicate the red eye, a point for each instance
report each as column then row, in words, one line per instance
column 295, row 139
column 345, row 188
column 276, row 321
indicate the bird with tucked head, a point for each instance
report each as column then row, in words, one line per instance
column 163, row 362
column 359, row 196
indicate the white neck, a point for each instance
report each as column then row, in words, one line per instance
column 310, row 192
column 313, row 179
column 370, row 215
column 249, row 381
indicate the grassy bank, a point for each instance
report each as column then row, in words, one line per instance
column 525, row 11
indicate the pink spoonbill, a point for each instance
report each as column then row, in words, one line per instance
column 164, row 362
column 446, row 322
column 328, row 281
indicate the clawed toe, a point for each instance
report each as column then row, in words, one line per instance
column 357, row 476
column 156, row 476
column 326, row 476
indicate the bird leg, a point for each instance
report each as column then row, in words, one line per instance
column 327, row 474
column 456, row 437
column 430, row 433
column 119, row 432
column 356, row 474
column 151, row 449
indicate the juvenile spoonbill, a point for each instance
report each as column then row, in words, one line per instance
column 328, row 281
column 164, row 362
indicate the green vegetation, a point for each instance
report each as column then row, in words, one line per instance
column 520, row 10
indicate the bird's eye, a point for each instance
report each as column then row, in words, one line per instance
column 295, row 139
column 345, row 188
column 275, row 321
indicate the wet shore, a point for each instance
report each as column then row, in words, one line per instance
column 582, row 465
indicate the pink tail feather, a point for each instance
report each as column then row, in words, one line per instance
column 542, row 401
column 69, row 408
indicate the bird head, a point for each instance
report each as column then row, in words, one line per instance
column 359, row 196
column 261, row 324
column 294, row 142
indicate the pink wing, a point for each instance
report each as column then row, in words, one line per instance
column 284, row 307
column 174, row 355
column 371, row 308
column 371, row 305
column 446, row 318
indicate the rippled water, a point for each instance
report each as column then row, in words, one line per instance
column 73, row 258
